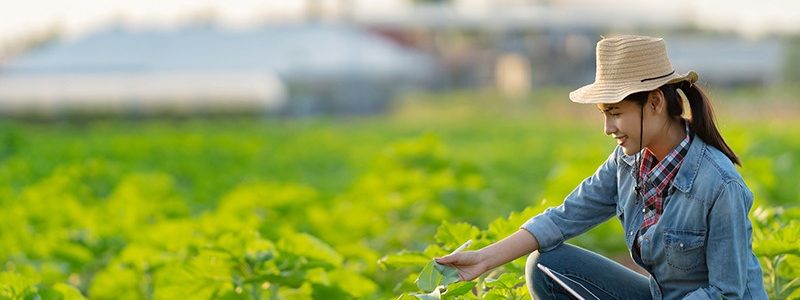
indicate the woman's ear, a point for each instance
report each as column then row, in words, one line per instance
column 656, row 101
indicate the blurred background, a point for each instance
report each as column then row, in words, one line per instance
column 328, row 149
column 354, row 57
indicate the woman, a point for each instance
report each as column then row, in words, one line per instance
column 671, row 182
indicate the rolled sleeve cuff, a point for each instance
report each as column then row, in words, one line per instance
column 545, row 231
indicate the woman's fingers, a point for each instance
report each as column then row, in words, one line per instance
column 451, row 259
column 465, row 262
column 463, row 258
column 446, row 260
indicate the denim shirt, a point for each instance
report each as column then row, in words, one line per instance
column 701, row 248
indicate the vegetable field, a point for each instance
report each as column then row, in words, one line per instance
column 329, row 208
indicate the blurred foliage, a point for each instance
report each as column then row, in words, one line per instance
column 326, row 208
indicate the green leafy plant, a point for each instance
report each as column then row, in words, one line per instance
column 775, row 243
column 304, row 208
column 435, row 281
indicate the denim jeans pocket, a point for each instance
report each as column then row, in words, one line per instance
column 685, row 248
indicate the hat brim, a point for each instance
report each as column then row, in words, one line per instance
column 613, row 92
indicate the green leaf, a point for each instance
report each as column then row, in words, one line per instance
column 505, row 281
column 47, row 293
column 453, row 235
column 458, row 289
column 433, row 250
column 352, row 282
column 315, row 251
column 522, row 292
column 118, row 282
column 429, row 278
column 502, row 227
column 16, row 286
column 435, row 295
column 73, row 253
column 782, row 240
column 496, row 294
column 59, row 291
column 403, row 259
column 790, row 267
column 68, row 292
column 449, row 273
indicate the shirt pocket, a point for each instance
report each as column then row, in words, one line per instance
column 685, row 248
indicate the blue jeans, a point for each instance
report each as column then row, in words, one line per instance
column 602, row 277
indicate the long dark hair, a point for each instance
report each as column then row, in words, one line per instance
column 701, row 121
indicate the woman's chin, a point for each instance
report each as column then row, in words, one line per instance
column 628, row 151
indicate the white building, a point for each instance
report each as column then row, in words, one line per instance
column 293, row 69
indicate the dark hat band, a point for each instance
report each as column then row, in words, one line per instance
column 659, row 77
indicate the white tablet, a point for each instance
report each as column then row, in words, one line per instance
column 552, row 274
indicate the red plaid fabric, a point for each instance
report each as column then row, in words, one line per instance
column 657, row 177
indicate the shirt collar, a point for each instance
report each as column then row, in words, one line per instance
column 684, row 180
column 654, row 171
column 691, row 164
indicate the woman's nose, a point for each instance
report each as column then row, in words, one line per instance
column 609, row 127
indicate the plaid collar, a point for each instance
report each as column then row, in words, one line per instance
column 657, row 177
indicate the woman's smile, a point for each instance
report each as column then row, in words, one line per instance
column 621, row 140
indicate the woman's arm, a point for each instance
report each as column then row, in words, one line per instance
column 592, row 202
column 510, row 248
column 472, row 264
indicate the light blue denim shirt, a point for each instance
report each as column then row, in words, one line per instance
column 701, row 248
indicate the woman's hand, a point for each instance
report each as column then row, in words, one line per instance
column 470, row 264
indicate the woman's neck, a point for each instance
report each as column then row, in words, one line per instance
column 672, row 134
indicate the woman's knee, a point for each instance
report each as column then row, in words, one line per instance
column 539, row 284
column 535, row 279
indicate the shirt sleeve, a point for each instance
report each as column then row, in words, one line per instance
column 728, row 249
column 589, row 204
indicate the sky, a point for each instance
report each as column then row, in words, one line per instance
column 21, row 19
column 79, row 16
column 73, row 18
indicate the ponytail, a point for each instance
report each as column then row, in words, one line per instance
column 702, row 120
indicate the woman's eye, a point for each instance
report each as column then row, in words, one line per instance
column 615, row 115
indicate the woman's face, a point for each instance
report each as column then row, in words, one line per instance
column 621, row 121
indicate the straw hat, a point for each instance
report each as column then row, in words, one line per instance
column 628, row 64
